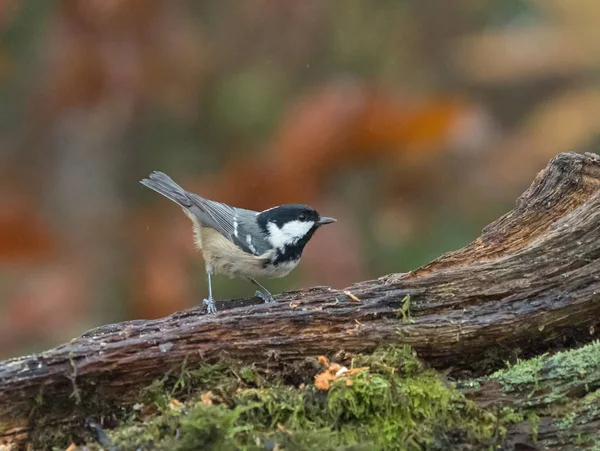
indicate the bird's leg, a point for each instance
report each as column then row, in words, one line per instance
column 210, row 302
column 262, row 292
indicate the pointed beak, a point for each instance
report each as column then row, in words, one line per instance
column 325, row 220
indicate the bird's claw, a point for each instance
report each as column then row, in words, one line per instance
column 210, row 305
column 266, row 297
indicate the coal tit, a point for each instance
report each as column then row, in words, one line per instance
column 243, row 243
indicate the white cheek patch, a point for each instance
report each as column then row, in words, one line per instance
column 289, row 234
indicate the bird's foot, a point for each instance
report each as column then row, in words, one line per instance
column 210, row 305
column 266, row 297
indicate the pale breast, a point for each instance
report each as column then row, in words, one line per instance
column 281, row 270
column 224, row 257
column 197, row 228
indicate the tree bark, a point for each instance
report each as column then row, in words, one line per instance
column 529, row 282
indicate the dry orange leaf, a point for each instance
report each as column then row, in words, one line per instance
column 323, row 360
column 322, row 380
column 334, row 368
column 333, row 372
column 354, row 371
column 207, row 398
column 175, row 404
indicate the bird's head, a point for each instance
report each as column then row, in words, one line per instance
column 289, row 227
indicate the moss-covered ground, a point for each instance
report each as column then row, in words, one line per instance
column 387, row 400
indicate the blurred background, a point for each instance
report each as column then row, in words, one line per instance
column 415, row 123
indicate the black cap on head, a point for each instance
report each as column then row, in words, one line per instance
column 287, row 213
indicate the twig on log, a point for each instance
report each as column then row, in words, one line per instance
column 530, row 280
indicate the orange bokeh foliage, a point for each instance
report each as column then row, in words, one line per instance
column 161, row 280
column 331, row 128
column 126, row 49
column 24, row 236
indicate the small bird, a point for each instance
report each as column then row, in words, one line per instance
column 243, row 243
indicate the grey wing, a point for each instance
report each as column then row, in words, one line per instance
column 235, row 224
column 217, row 215
column 248, row 235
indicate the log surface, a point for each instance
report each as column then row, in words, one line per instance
column 529, row 281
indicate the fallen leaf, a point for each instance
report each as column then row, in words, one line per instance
column 333, row 372
column 175, row 404
column 354, row 371
column 334, row 368
column 322, row 380
column 207, row 398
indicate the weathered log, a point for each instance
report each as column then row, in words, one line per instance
column 528, row 282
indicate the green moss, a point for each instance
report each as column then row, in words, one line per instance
column 391, row 401
column 523, row 376
column 401, row 360
column 250, row 374
column 565, row 422
column 578, row 364
column 404, row 310
column 395, row 403
column 471, row 383
column 534, row 421
column 511, row 415
column 565, row 370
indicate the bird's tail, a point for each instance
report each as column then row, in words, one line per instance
column 163, row 184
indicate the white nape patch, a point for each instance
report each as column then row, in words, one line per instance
column 289, row 234
column 235, row 226
column 269, row 209
column 250, row 245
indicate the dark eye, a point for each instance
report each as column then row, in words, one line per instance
column 302, row 217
